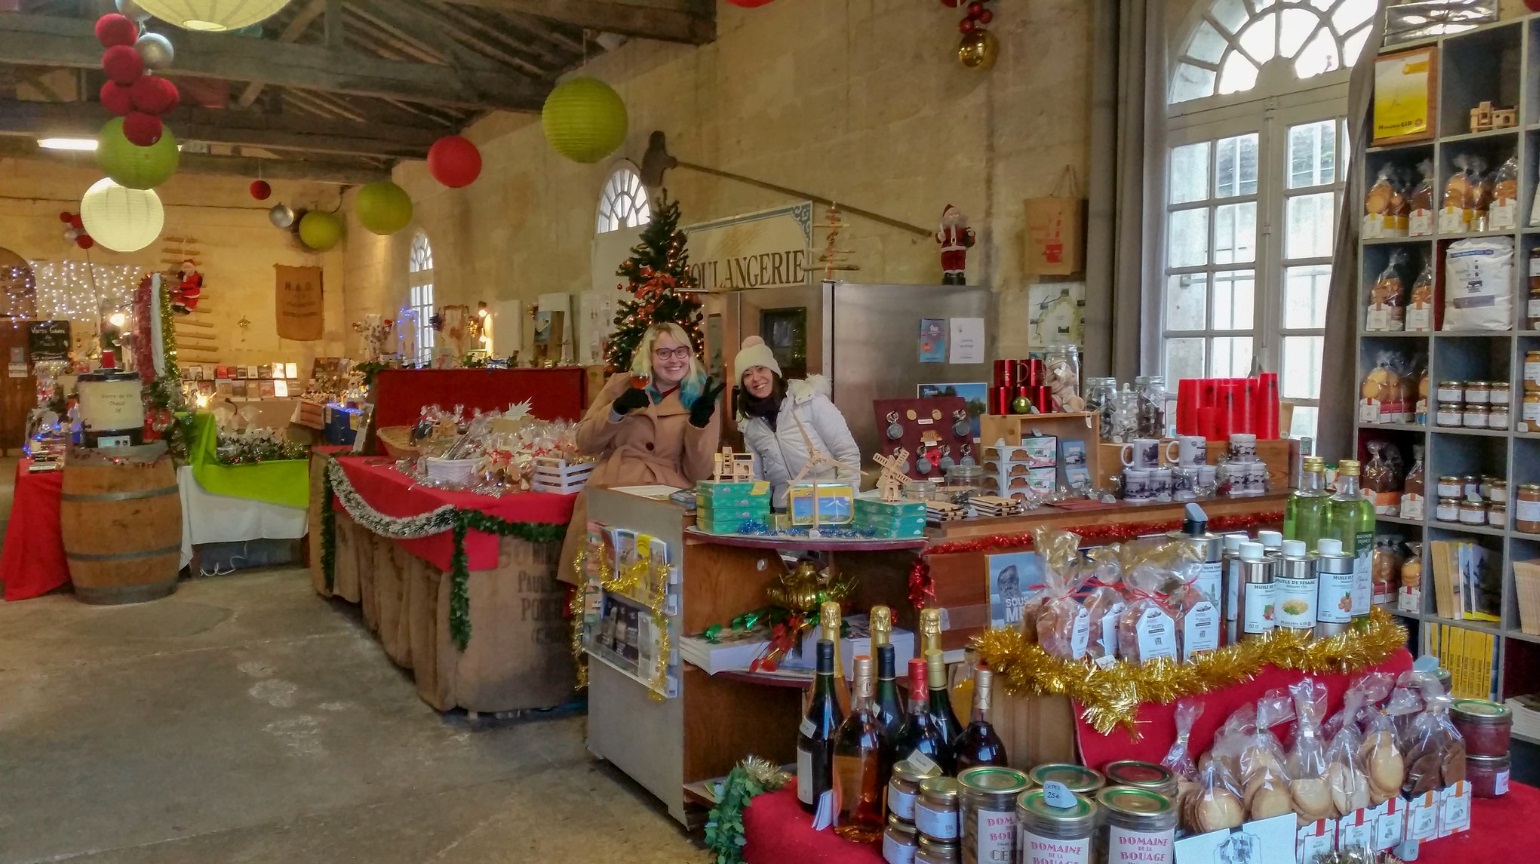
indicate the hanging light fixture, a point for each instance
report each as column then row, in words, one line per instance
column 124, row 220
column 212, row 15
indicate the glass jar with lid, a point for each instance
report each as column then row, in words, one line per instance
column 1138, row 821
column 1501, row 394
column 969, row 477
column 1473, row 513
column 1526, row 509
column 1486, row 726
column 1450, row 414
column 1451, row 486
column 935, row 811
column 1531, row 413
column 1471, row 485
column 1448, row 510
column 988, row 812
column 1499, row 416
column 1532, row 372
column 1099, row 397
column 1475, row 416
column 1050, row 834
column 934, row 851
column 1141, row 775
column 1477, row 392
column 900, row 842
column 1152, row 405
column 904, row 787
column 1076, row 778
column 1451, row 391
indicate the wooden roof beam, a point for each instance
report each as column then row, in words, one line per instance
column 290, row 33
column 339, row 172
column 688, row 21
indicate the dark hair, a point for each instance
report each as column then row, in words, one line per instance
column 741, row 395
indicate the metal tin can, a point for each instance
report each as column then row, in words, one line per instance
column 1077, row 778
column 905, row 787
column 1257, row 595
column 1295, row 591
column 1138, row 826
column 934, row 851
column 1141, row 775
column 935, row 811
column 988, row 813
column 1334, row 595
column 1055, row 835
column 899, row 843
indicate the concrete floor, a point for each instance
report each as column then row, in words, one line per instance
column 244, row 719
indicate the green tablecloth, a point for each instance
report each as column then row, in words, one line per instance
column 285, row 482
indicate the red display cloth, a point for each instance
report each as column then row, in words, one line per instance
column 777, row 831
column 554, row 394
column 394, row 494
column 1157, row 723
column 32, row 562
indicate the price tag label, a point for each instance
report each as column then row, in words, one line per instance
column 807, row 728
column 1058, row 795
column 922, row 763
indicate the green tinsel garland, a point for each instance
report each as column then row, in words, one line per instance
column 328, row 531
column 724, row 826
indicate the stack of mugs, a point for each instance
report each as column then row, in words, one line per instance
column 1185, row 475
column 1243, row 473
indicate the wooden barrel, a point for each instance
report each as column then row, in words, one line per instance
column 122, row 522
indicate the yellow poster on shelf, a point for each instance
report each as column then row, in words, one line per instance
column 1405, row 88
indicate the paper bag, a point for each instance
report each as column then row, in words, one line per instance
column 1056, row 231
column 298, row 303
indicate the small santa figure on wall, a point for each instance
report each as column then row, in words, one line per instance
column 956, row 238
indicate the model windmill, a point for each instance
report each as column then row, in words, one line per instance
column 834, row 258
column 892, row 482
column 815, row 459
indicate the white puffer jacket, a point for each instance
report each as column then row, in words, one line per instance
column 782, row 451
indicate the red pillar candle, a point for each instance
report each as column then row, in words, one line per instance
column 1187, row 406
column 1208, row 423
column 1267, row 406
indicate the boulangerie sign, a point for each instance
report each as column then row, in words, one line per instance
column 298, row 303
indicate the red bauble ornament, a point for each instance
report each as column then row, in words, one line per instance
column 986, row 16
column 950, row 4
column 154, row 95
column 975, row 9
column 76, row 222
column 142, row 130
column 748, row 4
column 260, row 190
column 122, row 64
column 967, row 26
column 114, row 29
column 1534, row 5
column 454, row 161
column 65, row 216
column 84, row 241
column 117, row 99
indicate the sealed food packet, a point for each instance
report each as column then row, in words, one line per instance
column 1370, row 689
column 1178, row 759
column 1197, row 621
column 1232, row 739
column 1420, row 220
column 1503, row 214
column 1378, row 753
column 1214, row 802
column 1264, row 778
column 1307, row 758
column 1388, row 296
column 1419, row 309
column 1147, row 629
column 1433, row 747
column 1346, row 775
column 1063, row 624
column 1105, row 601
column 1380, row 205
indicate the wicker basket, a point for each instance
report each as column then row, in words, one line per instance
column 397, row 441
column 1526, row 579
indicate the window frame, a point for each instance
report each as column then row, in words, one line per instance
column 419, row 295
column 623, row 183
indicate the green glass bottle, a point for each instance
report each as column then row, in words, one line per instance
column 1304, row 516
column 1350, row 519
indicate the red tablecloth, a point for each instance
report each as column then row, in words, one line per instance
column 1157, row 723
column 394, row 494
column 32, row 562
column 553, row 394
column 776, row 830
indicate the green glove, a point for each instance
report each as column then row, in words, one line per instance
column 706, row 405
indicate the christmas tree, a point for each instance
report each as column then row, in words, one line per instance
column 661, row 286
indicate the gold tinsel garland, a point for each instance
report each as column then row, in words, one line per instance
column 1111, row 697
column 623, row 583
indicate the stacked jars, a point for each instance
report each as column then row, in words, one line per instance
column 988, row 813
column 1476, row 404
column 1486, row 728
column 1531, row 412
column 1471, row 500
column 901, row 841
column 936, row 818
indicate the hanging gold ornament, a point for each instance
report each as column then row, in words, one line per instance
column 978, row 50
column 804, row 589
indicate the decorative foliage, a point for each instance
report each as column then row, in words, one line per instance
column 1111, row 697
column 660, row 281
column 251, row 447
column 724, row 825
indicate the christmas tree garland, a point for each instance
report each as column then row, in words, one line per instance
column 724, row 826
column 446, row 518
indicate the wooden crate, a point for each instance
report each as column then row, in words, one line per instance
column 559, row 476
column 1276, row 453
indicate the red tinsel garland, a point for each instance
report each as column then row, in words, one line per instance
column 922, row 590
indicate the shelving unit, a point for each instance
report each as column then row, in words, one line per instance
column 1499, row 63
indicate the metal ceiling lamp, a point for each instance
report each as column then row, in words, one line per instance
column 657, row 162
column 212, row 15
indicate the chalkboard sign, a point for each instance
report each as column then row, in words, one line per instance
column 48, row 341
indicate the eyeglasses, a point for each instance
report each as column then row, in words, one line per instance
column 681, row 353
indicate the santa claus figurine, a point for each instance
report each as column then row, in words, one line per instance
column 956, row 238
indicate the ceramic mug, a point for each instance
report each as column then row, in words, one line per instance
column 1243, row 447
column 1208, row 478
column 1256, row 478
column 1142, row 453
column 1191, row 451
column 1136, row 484
column 1184, row 482
column 1160, row 484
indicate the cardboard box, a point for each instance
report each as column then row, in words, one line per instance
column 835, row 501
column 722, row 495
column 876, row 507
column 857, row 643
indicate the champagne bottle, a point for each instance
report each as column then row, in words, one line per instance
column 930, row 631
column 920, row 734
column 1351, row 519
column 941, row 701
column 861, row 763
column 1304, row 516
column 815, row 739
column 979, row 743
column 889, row 709
column 830, row 623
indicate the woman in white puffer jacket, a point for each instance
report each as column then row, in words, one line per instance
column 778, row 418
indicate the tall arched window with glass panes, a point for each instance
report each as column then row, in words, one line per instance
column 419, row 280
column 623, row 202
column 1256, row 166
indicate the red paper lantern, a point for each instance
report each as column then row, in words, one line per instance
column 154, row 95
column 114, row 29
column 65, row 216
column 260, row 190
column 117, row 99
column 754, row 4
column 76, row 222
column 454, row 161
column 84, row 241
column 122, row 64
column 141, row 129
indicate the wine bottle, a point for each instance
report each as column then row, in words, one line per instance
column 831, row 622
column 979, row 744
column 889, row 709
column 941, row 701
column 815, row 739
column 861, row 763
column 919, row 734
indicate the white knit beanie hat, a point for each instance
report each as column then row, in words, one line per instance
column 755, row 353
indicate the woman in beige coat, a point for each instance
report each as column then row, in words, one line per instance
column 665, row 434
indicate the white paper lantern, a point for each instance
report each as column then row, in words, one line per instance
column 212, row 14
column 124, row 220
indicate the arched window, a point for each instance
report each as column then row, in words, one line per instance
column 419, row 279
column 623, row 203
column 1256, row 167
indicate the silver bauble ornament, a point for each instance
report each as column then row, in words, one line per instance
column 155, row 50
column 281, row 216
column 72, row 234
column 133, row 11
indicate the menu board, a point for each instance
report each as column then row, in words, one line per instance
column 48, row 341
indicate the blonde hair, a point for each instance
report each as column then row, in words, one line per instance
column 694, row 381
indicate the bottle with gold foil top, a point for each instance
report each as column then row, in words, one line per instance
column 890, row 710
column 930, row 632
column 979, row 744
column 941, row 712
column 830, row 622
column 862, row 764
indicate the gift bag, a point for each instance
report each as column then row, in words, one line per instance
column 1056, row 230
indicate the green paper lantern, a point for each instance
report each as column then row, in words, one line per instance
column 132, row 166
column 383, row 207
column 584, row 119
column 320, row 231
